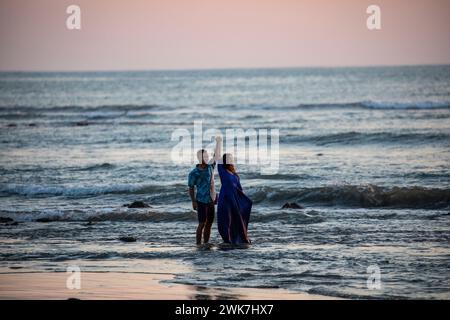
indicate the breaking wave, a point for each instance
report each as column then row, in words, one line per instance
column 362, row 196
column 83, row 191
column 101, row 111
column 353, row 137
column 102, row 166
column 366, row 196
column 349, row 105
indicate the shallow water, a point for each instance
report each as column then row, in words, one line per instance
column 364, row 150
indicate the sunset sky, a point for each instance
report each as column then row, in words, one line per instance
column 191, row 34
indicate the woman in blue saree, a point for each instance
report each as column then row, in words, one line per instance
column 234, row 207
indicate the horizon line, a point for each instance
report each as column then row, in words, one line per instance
column 227, row 68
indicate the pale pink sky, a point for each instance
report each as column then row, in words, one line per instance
column 191, row 34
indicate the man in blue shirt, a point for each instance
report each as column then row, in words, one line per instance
column 202, row 178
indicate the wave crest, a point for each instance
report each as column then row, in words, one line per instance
column 365, row 196
column 353, row 137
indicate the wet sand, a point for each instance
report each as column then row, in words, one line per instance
column 114, row 285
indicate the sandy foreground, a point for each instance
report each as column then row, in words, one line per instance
column 115, row 285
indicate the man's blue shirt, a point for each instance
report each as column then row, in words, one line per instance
column 201, row 178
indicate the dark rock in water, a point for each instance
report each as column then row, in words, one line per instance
column 73, row 299
column 45, row 220
column 81, row 123
column 5, row 220
column 138, row 204
column 90, row 223
column 11, row 125
column 32, row 124
column 319, row 154
column 291, row 205
column 8, row 221
column 15, row 267
column 127, row 239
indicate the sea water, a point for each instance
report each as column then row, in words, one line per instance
column 365, row 151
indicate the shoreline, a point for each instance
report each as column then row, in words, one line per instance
column 127, row 286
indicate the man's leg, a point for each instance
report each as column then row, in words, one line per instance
column 202, row 214
column 200, row 227
column 209, row 222
column 207, row 231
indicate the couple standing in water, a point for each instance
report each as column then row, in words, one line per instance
column 233, row 206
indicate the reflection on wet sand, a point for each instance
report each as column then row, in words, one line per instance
column 113, row 285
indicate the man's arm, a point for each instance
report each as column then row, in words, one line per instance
column 191, row 185
column 192, row 195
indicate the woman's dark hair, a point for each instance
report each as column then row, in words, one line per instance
column 230, row 167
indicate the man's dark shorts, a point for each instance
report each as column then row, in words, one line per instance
column 205, row 212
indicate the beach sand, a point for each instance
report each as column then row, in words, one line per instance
column 114, row 285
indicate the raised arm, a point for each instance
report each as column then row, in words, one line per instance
column 218, row 150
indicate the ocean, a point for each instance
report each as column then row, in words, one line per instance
column 364, row 151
